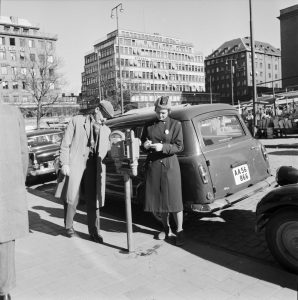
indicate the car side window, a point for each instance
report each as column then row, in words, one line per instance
column 220, row 129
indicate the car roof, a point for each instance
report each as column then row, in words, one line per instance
column 182, row 113
column 37, row 132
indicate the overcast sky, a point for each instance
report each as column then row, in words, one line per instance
column 205, row 23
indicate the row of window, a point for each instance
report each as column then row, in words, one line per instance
column 159, row 54
column 22, row 57
column 23, row 42
column 155, row 41
column 14, row 85
column 22, row 70
column 240, row 55
column 153, row 87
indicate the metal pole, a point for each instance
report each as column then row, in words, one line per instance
column 232, row 84
column 127, row 182
column 120, row 71
column 210, row 89
column 252, row 44
column 98, row 66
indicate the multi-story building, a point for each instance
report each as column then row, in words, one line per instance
column 289, row 45
column 151, row 65
column 229, row 69
column 19, row 41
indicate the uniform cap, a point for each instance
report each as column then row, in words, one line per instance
column 163, row 102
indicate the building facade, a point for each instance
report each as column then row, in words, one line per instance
column 151, row 65
column 229, row 70
column 289, row 45
column 20, row 42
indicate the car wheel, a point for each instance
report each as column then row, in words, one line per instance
column 282, row 238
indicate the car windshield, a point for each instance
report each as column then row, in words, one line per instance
column 44, row 139
column 220, row 129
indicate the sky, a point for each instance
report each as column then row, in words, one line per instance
column 205, row 23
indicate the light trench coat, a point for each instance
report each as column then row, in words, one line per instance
column 74, row 152
column 13, row 170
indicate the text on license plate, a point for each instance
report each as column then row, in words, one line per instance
column 241, row 174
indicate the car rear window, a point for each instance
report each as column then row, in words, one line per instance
column 44, row 139
column 220, row 129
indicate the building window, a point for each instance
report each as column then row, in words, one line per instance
column 31, row 43
column 24, row 85
column 22, row 43
column 2, row 40
column 13, row 56
column 14, row 70
column 12, row 41
column 50, row 59
column 2, row 55
column 15, row 98
column 6, row 98
column 41, row 58
column 5, row 85
column 32, row 57
column 269, row 66
column 4, row 70
column 41, row 44
column 6, row 28
column 22, row 56
column 15, row 85
column 23, row 71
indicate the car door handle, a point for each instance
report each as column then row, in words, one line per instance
column 253, row 147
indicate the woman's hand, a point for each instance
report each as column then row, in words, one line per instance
column 147, row 144
column 157, row 146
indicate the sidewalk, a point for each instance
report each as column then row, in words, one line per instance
column 291, row 141
column 52, row 266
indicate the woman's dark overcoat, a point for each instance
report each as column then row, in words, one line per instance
column 163, row 178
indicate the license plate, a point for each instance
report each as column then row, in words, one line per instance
column 241, row 174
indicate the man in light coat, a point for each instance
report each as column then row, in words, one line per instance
column 83, row 148
column 13, row 203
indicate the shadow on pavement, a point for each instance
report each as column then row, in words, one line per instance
column 226, row 238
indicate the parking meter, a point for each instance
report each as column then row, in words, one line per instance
column 125, row 151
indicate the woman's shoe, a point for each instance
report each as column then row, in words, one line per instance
column 180, row 238
column 165, row 234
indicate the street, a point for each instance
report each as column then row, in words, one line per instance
column 222, row 245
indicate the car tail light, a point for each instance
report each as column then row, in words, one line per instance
column 203, row 174
column 264, row 152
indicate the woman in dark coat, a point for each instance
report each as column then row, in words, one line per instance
column 162, row 139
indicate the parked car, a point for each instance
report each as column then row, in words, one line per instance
column 43, row 145
column 221, row 162
column 277, row 213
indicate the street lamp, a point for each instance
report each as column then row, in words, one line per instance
column 98, row 74
column 115, row 9
column 232, row 72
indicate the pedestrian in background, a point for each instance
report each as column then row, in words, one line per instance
column 83, row 148
column 13, row 204
column 162, row 139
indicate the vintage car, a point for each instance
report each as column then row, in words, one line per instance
column 43, row 145
column 221, row 162
column 277, row 213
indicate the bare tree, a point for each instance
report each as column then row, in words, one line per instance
column 40, row 77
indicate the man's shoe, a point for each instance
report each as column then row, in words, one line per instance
column 97, row 238
column 70, row 232
column 180, row 238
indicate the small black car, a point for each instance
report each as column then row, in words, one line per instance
column 277, row 213
column 43, row 145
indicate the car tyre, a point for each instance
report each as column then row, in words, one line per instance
column 282, row 238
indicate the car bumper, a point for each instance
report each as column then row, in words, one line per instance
column 43, row 171
column 239, row 196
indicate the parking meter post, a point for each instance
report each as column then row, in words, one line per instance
column 127, row 182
